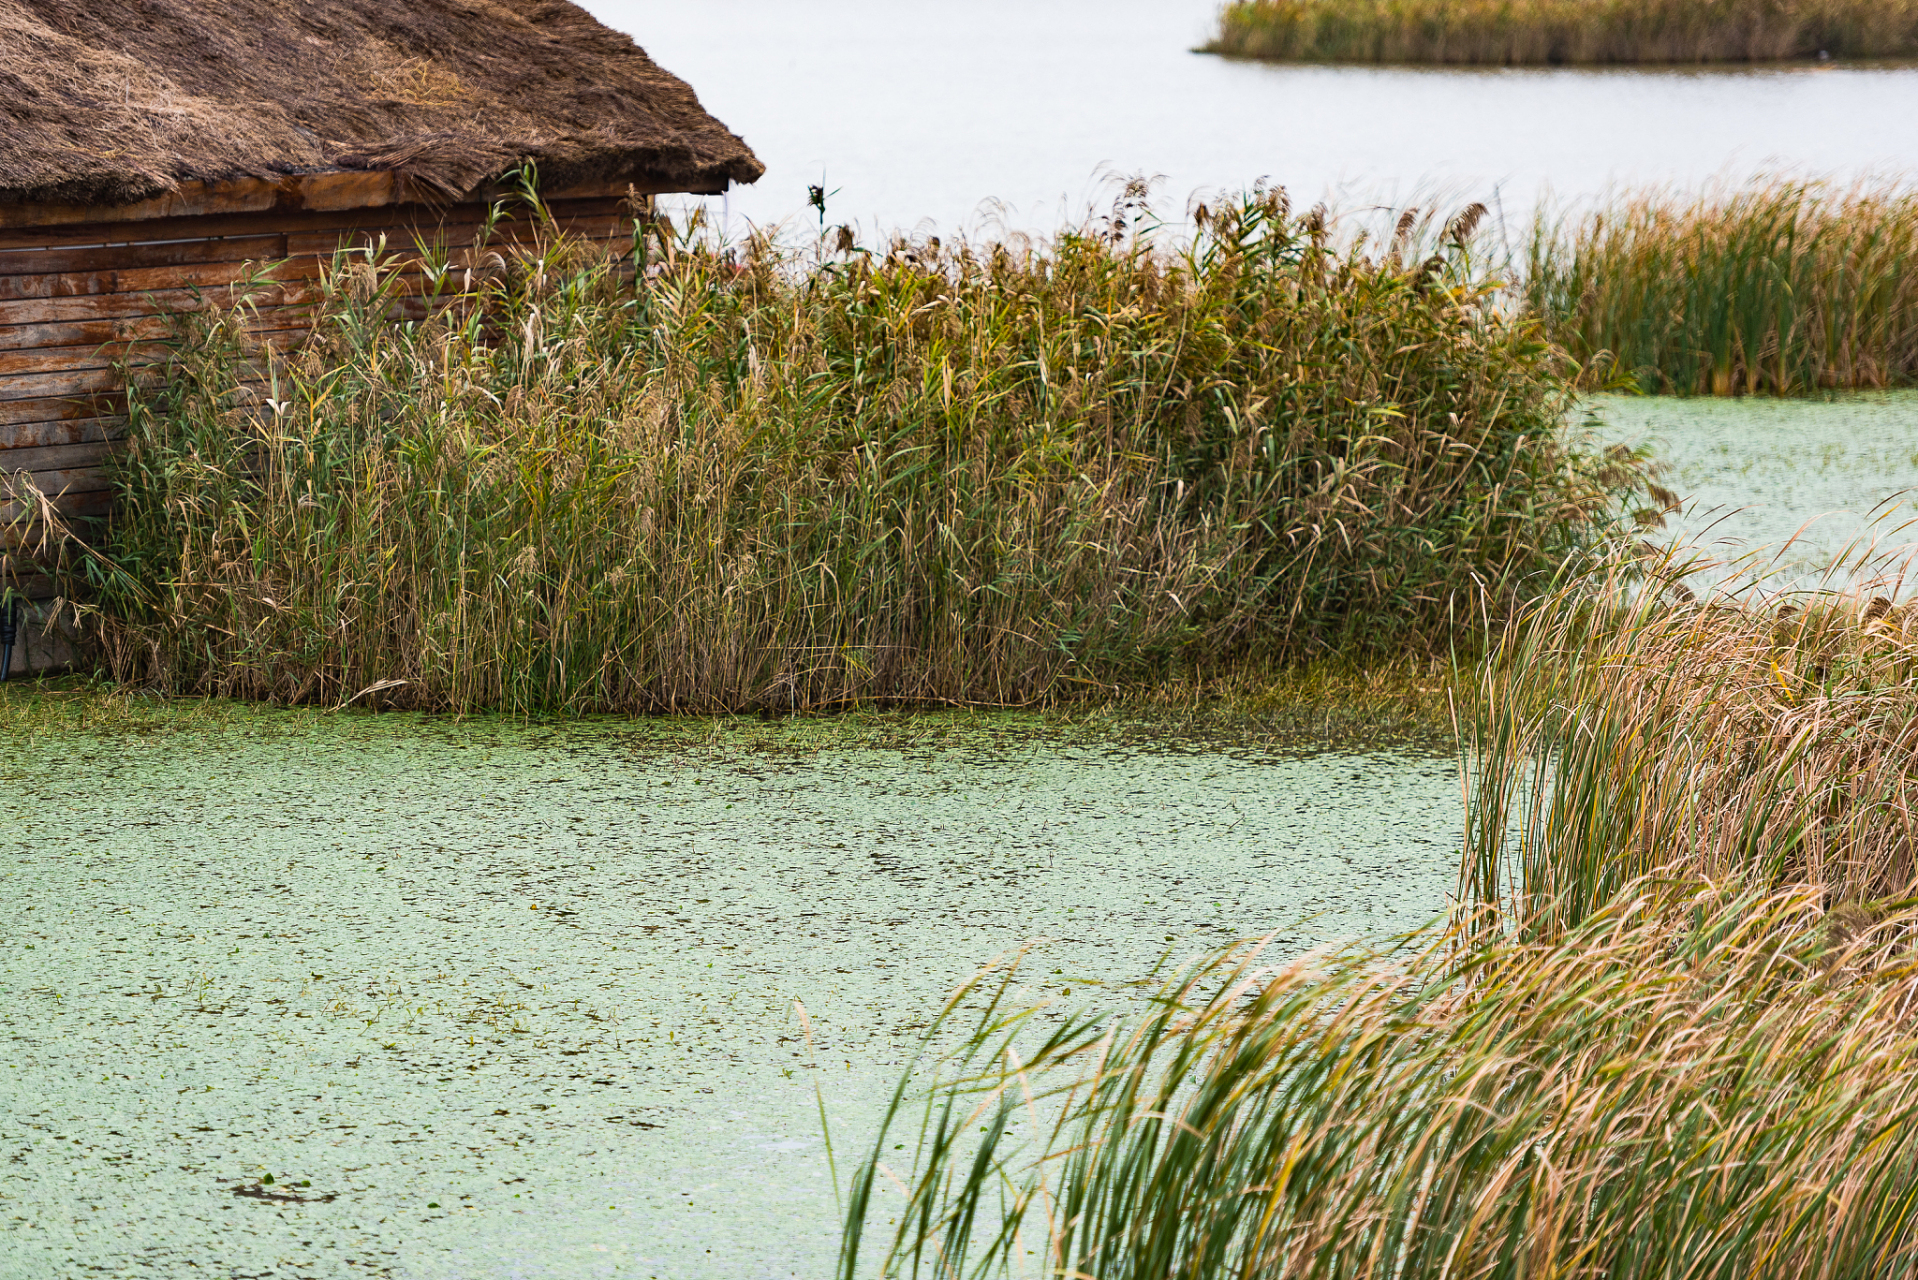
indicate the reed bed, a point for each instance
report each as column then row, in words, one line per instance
column 1554, row 32
column 755, row 477
column 1780, row 287
column 1625, row 728
column 1684, row 1084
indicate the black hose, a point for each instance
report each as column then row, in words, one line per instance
column 9, row 631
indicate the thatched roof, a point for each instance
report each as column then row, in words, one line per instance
column 117, row 101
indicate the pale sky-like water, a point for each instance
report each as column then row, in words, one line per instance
column 1007, row 113
column 518, row 1002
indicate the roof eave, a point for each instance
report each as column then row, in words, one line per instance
column 313, row 192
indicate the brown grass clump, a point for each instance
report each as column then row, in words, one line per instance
column 1760, row 739
column 1540, row 32
column 1687, row 1083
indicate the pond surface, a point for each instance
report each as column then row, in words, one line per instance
column 1786, row 483
column 915, row 110
column 495, row 1001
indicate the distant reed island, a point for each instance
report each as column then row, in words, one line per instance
column 1565, row 32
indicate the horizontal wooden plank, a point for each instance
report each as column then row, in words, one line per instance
column 83, row 384
column 55, row 457
column 46, row 386
column 48, row 260
column 59, row 359
column 50, row 435
column 55, row 481
column 305, row 191
column 81, row 296
column 61, row 409
column 72, row 284
column 100, row 385
column 281, row 221
column 183, row 278
column 35, row 360
column 107, row 306
column 337, row 191
column 76, row 505
column 24, row 543
column 26, row 538
column 21, row 575
column 406, row 241
column 84, row 333
column 95, row 333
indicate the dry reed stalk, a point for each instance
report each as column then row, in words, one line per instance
column 1688, row 1083
column 1763, row 738
column 1782, row 287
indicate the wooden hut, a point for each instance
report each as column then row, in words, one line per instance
column 153, row 152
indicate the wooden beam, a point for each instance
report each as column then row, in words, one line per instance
column 92, row 502
column 402, row 217
column 62, row 409
column 55, row 457
column 47, row 259
column 35, row 360
column 200, row 275
column 48, row 386
column 331, row 192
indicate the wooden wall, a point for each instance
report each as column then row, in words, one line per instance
column 79, row 298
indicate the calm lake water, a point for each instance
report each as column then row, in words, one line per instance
column 916, row 110
column 497, row 1001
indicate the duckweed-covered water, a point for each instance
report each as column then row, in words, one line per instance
column 1811, row 477
column 492, row 1001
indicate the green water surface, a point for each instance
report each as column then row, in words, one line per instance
column 1788, row 486
column 502, row 1001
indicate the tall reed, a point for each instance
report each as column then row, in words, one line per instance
column 1536, row 32
column 1625, row 729
column 1781, row 287
column 1684, row 1085
column 765, row 477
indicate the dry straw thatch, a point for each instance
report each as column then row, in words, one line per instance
column 118, row 101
